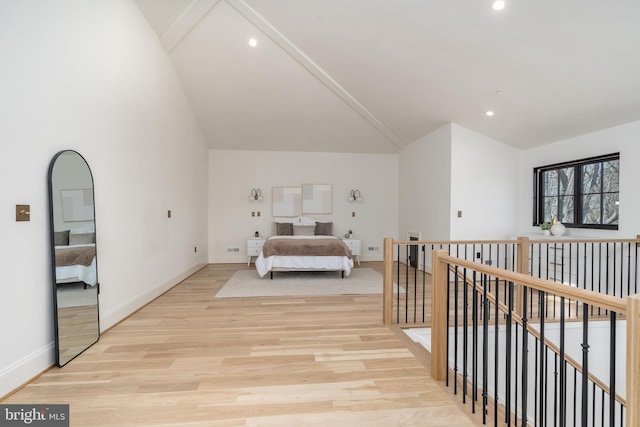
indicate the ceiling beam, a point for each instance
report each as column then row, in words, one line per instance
column 196, row 10
column 293, row 51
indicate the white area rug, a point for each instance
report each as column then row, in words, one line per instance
column 247, row 283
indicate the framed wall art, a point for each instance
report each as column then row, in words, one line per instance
column 286, row 201
column 317, row 199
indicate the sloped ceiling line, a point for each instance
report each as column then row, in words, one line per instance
column 198, row 9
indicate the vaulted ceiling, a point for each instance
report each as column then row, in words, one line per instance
column 370, row 76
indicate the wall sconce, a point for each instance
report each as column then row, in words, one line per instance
column 355, row 196
column 256, row 194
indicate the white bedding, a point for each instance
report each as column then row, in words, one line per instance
column 76, row 273
column 264, row 265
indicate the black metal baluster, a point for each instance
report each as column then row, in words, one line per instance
column 585, row 364
column 525, row 358
column 535, row 387
column 555, row 390
column 406, row 285
column 474, row 367
column 612, row 370
column 602, row 393
column 635, row 276
column 543, row 360
column 613, row 272
column 465, row 336
column 593, row 405
column 563, row 372
column 496, row 352
column 398, row 296
column 485, row 349
column 448, row 323
column 507, row 383
column 415, row 292
column 628, row 268
column 515, row 376
column 575, row 397
column 424, row 281
column 455, row 333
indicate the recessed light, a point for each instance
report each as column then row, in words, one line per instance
column 498, row 5
column 253, row 42
column 489, row 113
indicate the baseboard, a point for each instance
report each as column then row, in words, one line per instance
column 122, row 311
column 23, row 371
column 230, row 260
column 16, row 375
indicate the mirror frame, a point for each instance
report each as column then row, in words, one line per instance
column 83, row 346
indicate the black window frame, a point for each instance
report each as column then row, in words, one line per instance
column 538, row 206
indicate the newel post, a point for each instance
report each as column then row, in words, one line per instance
column 387, row 287
column 633, row 361
column 438, row 316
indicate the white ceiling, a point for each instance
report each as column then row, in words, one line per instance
column 370, row 76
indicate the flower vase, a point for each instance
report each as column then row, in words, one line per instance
column 558, row 229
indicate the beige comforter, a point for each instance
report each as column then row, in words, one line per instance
column 305, row 247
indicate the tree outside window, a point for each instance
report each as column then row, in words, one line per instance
column 582, row 193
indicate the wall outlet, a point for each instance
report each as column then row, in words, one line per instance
column 373, row 248
column 233, row 249
column 488, row 262
column 478, row 255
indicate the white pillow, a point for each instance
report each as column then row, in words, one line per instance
column 304, row 230
column 286, row 220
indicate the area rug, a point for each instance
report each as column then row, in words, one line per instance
column 247, row 283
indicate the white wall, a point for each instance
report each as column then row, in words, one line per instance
column 454, row 169
column 623, row 139
column 234, row 173
column 425, row 187
column 484, row 186
column 93, row 77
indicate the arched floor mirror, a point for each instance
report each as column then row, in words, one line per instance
column 73, row 255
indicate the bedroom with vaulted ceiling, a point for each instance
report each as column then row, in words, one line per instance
column 205, row 123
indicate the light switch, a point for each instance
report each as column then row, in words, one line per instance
column 23, row 213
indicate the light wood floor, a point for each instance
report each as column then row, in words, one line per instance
column 188, row 359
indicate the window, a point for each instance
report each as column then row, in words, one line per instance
column 583, row 193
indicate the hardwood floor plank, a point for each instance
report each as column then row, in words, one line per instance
column 189, row 359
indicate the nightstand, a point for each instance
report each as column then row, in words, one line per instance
column 254, row 247
column 354, row 246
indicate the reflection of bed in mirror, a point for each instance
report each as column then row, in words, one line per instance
column 76, row 264
column 304, row 244
column 75, row 255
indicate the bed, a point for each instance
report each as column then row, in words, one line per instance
column 308, row 253
column 76, row 263
column 75, row 256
